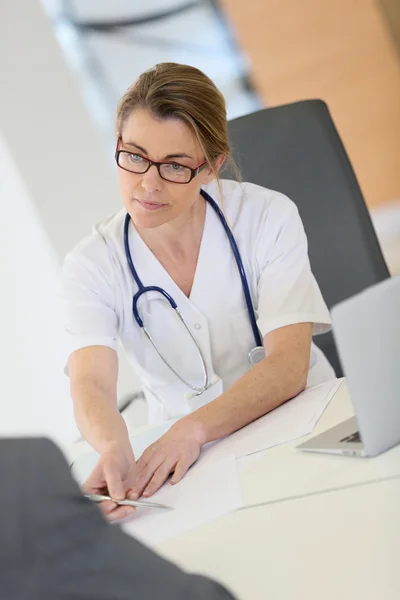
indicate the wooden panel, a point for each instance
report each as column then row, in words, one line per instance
column 339, row 51
column 391, row 12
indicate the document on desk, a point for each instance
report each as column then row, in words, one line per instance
column 201, row 496
column 211, row 488
column 294, row 419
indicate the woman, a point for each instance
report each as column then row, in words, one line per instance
column 171, row 144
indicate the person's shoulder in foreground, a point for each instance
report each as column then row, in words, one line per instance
column 56, row 545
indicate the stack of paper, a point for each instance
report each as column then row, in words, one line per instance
column 202, row 496
column 211, row 487
column 292, row 420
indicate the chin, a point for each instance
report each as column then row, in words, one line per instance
column 148, row 219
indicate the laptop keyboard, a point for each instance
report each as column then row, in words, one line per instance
column 354, row 437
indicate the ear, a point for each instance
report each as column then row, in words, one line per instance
column 218, row 164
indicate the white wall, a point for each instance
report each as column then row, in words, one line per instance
column 34, row 396
column 51, row 136
column 56, row 181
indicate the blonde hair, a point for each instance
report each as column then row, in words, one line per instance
column 171, row 90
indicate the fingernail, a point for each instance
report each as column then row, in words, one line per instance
column 133, row 495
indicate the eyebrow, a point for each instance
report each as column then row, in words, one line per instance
column 175, row 155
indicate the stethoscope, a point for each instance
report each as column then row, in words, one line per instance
column 255, row 355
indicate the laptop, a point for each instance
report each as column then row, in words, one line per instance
column 366, row 329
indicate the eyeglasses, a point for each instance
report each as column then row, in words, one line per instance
column 173, row 172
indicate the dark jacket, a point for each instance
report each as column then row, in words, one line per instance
column 55, row 544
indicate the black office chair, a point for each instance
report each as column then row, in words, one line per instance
column 296, row 149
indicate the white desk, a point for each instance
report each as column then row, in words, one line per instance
column 343, row 544
column 310, row 539
column 286, row 472
column 329, row 526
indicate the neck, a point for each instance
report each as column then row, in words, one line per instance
column 183, row 232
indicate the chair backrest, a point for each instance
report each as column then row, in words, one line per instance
column 296, row 149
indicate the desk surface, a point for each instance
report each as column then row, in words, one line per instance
column 286, row 472
column 329, row 526
column 342, row 544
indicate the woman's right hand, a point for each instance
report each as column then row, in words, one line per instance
column 115, row 476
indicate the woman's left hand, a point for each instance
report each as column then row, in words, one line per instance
column 174, row 452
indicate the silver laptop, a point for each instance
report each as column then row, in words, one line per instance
column 366, row 328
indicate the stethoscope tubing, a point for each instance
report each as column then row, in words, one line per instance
column 145, row 289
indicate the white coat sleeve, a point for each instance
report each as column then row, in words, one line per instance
column 87, row 301
column 287, row 290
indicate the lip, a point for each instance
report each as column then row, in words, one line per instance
column 149, row 205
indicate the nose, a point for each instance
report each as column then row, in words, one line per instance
column 151, row 180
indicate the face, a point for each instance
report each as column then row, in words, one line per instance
column 150, row 200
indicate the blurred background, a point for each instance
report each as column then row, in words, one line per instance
column 109, row 44
column 64, row 65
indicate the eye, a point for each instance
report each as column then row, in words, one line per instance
column 175, row 167
column 136, row 157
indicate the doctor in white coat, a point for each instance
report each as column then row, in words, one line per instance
column 202, row 364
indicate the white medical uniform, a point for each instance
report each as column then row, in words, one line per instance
column 97, row 291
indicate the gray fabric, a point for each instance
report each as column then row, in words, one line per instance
column 296, row 149
column 55, row 545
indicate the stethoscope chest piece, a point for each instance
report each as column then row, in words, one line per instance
column 256, row 355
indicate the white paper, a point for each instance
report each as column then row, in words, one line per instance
column 244, row 462
column 202, row 496
column 211, row 488
column 292, row 420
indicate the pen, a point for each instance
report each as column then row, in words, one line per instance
column 127, row 502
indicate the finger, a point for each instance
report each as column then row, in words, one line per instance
column 146, row 474
column 94, row 482
column 107, row 506
column 113, row 511
column 143, row 463
column 121, row 512
column 95, row 488
column 132, row 495
column 142, row 481
column 148, row 457
column 159, row 477
column 115, row 484
column 131, row 478
column 180, row 470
